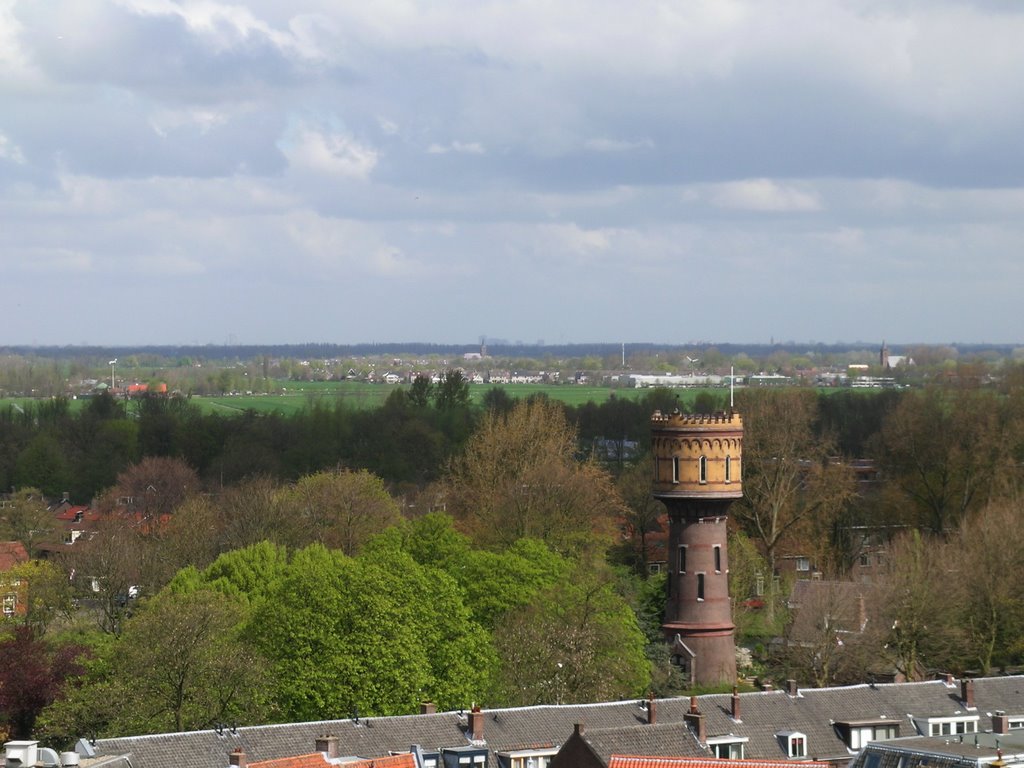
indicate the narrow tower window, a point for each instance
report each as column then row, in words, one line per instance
column 728, row 469
column 675, row 469
column 718, row 558
column 682, row 559
column 700, row 586
column 703, row 469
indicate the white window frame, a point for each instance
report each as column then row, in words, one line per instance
column 733, row 745
column 791, row 739
column 950, row 726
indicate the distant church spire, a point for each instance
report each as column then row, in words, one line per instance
column 883, row 356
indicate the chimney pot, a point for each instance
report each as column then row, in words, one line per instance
column 791, row 687
column 693, row 705
column 735, row 704
column 237, row 757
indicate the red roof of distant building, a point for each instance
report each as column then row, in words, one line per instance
column 69, row 514
column 12, row 553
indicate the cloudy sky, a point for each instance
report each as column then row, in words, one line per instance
column 573, row 171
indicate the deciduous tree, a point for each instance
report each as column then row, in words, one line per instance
column 577, row 641
column 340, row 509
column 519, row 478
column 787, row 472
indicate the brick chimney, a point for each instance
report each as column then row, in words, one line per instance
column 967, row 693
column 476, row 724
column 237, row 757
column 791, row 687
column 428, row 708
column 736, row 705
column 328, row 745
column 695, row 721
column 1000, row 722
column 578, row 729
column 948, row 679
column 652, row 710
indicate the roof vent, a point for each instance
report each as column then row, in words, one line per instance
column 21, row 753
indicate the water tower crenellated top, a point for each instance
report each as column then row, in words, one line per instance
column 697, row 456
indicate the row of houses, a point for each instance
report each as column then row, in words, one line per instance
column 836, row 727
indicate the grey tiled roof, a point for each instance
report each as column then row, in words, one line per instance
column 619, row 726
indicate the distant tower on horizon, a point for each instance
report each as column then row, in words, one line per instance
column 883, row 356
column 698, row 474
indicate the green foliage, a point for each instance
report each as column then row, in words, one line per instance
column 377, row 633
column 577, row 641
column 247, row 574
column 493, row 582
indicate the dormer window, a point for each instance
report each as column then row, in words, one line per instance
column 948, row 726
column 727, row 747
column 526, row 758
column 857, row 733
column 794, row 743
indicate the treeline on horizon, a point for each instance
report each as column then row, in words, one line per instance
column 322, row 350
column 407, row 442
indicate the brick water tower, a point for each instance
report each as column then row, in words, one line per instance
column 698, row 460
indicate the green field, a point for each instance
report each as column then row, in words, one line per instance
column 296, row 395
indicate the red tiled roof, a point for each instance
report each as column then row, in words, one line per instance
column 68, row 515
column 312, row 760
column 633, row 761
column 317, row 760
column 12, row 553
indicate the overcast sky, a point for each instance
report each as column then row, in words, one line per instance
column 568, row 171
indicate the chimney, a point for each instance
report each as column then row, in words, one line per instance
column 237, row 757
column 328, row 745
column 428, row 708
column 736, row 705
column 695, row 721
column 948, row 679
column 476, row 724
column 1000, row 722
column 652, row 710
column 65, row 496
column 791, row 687
column 967, row 693
column 578, row 729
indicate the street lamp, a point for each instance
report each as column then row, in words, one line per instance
column 112, row 364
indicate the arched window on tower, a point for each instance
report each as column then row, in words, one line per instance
column 703, row 469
